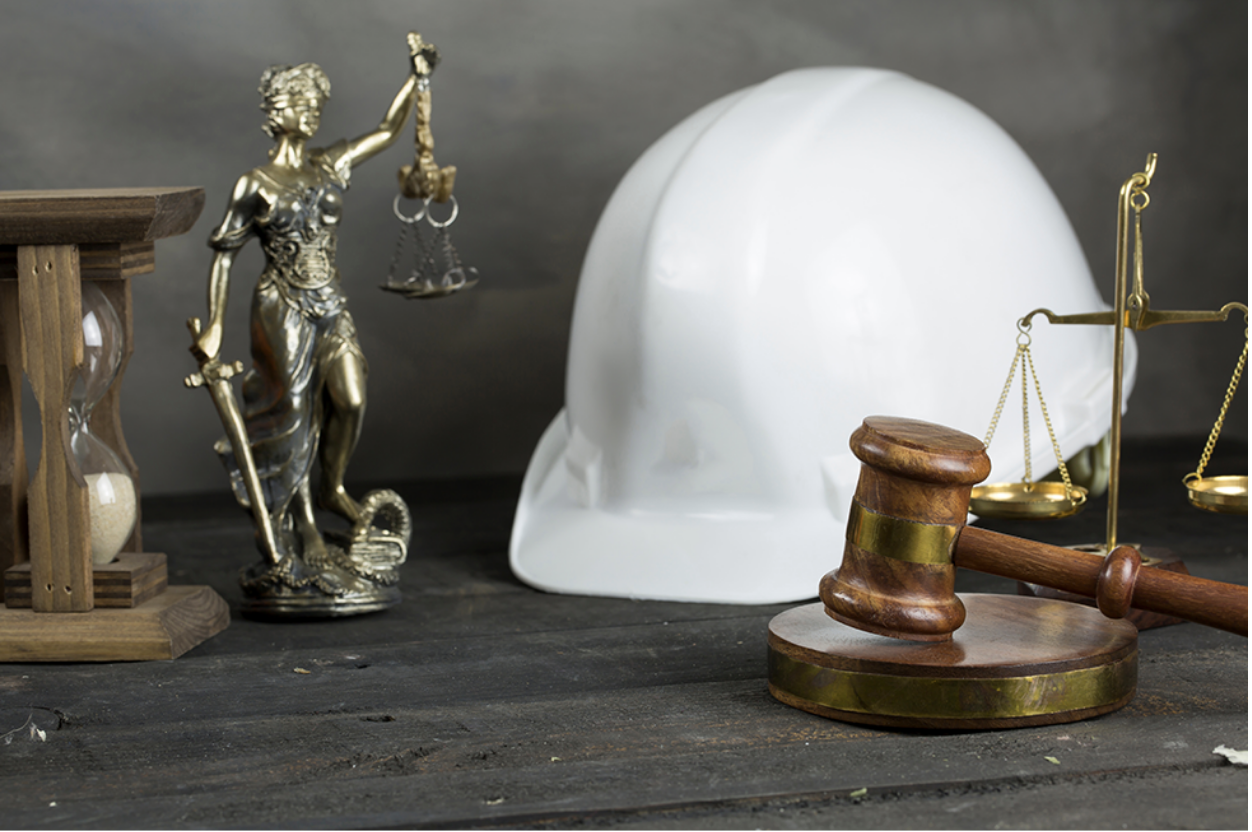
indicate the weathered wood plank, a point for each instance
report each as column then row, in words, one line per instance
column 134, row 578
column 13, row 474
column 645, row 746
column 49, row 296
column 163, row 628
column 98, row 261
column 102, row 215
column 448, row 710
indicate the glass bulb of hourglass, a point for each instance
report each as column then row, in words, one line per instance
column 110, row 488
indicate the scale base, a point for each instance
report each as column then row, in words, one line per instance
column 1016, row 662
column 311, row 604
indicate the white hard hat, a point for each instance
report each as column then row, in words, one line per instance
column 827, row 245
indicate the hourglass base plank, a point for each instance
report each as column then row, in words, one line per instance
column 164, row 628
column 133, row 579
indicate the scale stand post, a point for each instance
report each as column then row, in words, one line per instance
column 1132, row 310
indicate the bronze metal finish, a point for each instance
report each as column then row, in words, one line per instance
column 424, row 179
column 904, row 540
column 1027, row 500
column 215, row 377
column 437, row 268
column 304, row 397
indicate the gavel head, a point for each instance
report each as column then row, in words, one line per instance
column 897, row 577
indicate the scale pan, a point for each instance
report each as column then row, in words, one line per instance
column 426, row 291
column 1224, row 495
column 1027, row 501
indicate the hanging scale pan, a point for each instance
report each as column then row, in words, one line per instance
column 437, row 268
column 1225, row 494
column 1027, row 500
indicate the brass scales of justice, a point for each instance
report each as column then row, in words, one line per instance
column 982, row 661
column 437, row 270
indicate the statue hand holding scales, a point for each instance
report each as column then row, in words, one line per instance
column 304, row 397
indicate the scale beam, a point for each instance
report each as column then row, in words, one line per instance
column 1133, row 311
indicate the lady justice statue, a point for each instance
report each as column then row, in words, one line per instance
column 304, row 397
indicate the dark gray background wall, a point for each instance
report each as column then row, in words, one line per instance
column 543, row 105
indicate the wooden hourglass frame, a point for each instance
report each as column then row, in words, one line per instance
column 1132, row 311
column 58, row 607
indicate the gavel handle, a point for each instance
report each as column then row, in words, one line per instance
column 1116, row 582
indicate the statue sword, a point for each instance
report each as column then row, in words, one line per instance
column 215, row 377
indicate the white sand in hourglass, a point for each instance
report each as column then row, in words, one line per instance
column 111, row 499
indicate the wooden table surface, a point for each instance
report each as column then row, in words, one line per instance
column 480, row 702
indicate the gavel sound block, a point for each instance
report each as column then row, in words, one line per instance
column 1017, row 660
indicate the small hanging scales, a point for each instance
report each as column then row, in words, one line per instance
column 1027, row 499
column 437, row 270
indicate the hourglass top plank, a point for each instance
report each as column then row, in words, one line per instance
column 102, row 215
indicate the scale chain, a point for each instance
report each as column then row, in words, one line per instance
column 1004, row 394
column 1056, row 447
column 1028, row 364
column 1221, row 416
column 395, row 257
column 1028, row 478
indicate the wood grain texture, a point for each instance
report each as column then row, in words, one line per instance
column 163, row 628
column 97, row 261
column 13, row 473
column 921, row 451
column 132, row 579
column 1016, row 662
column 920, row 473
column 105, row 215
column 447, row 711
column 1211, row 603
column 1154, row 558
column 426, row 714
column 47, row 240
column 1005, row 635
column 49, row 296
column 884, row 592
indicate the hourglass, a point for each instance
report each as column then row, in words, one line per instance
column 78, row 585
column 111, row 503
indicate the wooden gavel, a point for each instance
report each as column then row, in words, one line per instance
column 907, row 535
